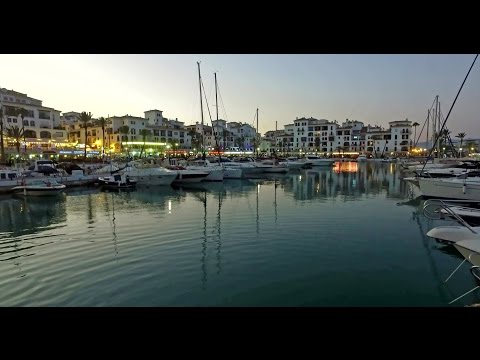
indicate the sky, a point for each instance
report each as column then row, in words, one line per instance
column 372, row 88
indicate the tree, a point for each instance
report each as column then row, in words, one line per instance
column 240, row 142
column 196, row 139
column 102, row 122
column 225, row 137
column 143, row 133
column 85, row 120
column 471, row 145
column 415, row 124
column 19, row 111
column 461, row 136
column 124, row 130
column 17, row 134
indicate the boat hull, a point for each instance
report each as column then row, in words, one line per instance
column 449, row 189
column 470, row 251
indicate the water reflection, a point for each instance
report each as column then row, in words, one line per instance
column 241, row 242
column 25, row 215
column 21, row 218
column 213, row 194
column 347, row 181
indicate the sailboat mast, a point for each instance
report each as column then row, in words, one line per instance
column 216, row 102
column 275, row 148
column 201, row 109
column 435, row 132
column 216, row 107
column 256, row 137
column 428, row 125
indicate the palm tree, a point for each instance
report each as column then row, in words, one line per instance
column 102, row 122
column 415, row 124
column 124, row 130
column 225, row 137
column 144, row 133
column 196, row 139
column 242, row 140
column 19, row 111
column 461, row 136
column 85, row 119
column 16, row 133
column 2, row 148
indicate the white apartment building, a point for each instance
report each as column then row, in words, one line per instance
column 324, row 136
column 42, row 124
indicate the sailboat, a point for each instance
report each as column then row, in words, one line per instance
column 215, row 173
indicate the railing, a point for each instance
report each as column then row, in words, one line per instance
column 432, row 209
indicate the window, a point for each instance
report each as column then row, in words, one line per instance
column 133, row 131
column 32, row 123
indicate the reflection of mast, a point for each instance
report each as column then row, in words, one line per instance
column 114, row 227
column 275, row 201
column 258, row 190
column 219, row 234
column 204, row 243
column 430, row 259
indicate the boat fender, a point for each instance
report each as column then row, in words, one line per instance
column 464, row 188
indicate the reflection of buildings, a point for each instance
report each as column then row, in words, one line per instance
column 347, row 179
column 22, row 216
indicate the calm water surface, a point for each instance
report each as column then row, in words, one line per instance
column 347, row 236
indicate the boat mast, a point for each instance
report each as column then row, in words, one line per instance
column 216, row 106
column 275, row 137
column 201, row 109
column 437, row 119
column 256, row 137
column 428, row 125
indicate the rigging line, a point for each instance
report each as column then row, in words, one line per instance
column 210, row 115
column 447, row 135
column 221, row 100
column 206, row 100
column 451, row 107
column 421, row 132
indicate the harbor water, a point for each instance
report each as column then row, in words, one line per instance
column 353, row 235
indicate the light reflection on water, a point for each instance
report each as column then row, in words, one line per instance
column 316, row 237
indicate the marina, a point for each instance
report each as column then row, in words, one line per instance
column 106, row 200
column 311, row 237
